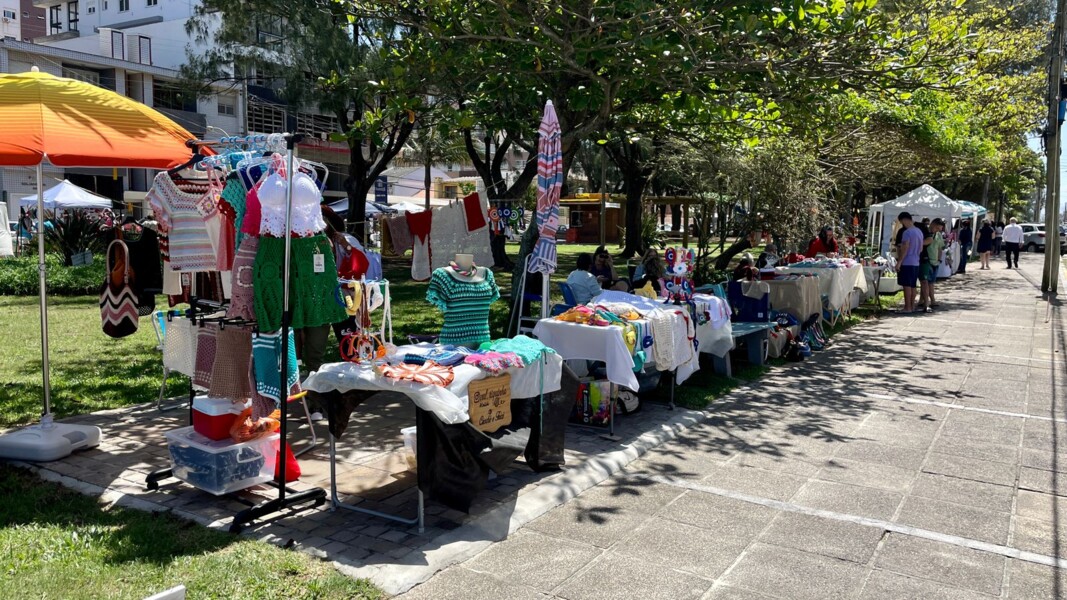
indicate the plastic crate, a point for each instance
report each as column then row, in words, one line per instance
column 221, row 467
column 213, row 417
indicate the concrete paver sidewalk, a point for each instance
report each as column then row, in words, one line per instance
column 918, row 457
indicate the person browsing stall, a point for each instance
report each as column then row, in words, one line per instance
column 908, row 252
column 935, row 253
column 583, row 283
column 824, row 243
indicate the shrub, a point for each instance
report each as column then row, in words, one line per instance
column 18, row 276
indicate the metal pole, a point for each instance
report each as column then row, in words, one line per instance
column 603, row 199
column 41, row 270
column 286, row 316
column 1050, row 273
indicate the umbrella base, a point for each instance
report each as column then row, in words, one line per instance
column 38, row 443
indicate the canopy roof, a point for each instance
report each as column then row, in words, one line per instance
column 923, row 201
column 67, row 195
column 971, row 209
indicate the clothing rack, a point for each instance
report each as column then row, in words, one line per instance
column 287, row 499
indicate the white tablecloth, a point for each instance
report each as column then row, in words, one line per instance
column 835, row 283
column 589, row 342
column 716, row 335
column 448, row 403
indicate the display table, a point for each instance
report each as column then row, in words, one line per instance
column 754, row 336
column 454, row 458
column 835, row 283
column 799, row 297
column 589, row 342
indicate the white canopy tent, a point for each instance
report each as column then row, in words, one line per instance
column 923, row 201
column 66, row 195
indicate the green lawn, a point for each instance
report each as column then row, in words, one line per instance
column 55, row 543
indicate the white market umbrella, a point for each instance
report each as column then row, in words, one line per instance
column 66, row 195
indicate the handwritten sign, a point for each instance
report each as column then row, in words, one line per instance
column 490, row 403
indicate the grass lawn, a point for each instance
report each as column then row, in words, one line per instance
column 55, row 543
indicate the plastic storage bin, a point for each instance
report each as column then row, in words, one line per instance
column 213, row 417
column 411, row 446
column 221, row 467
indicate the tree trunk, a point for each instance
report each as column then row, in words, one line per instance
column 723, row 260
column 635, row 191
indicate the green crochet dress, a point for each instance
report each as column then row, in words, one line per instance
column 465, row 304
column 311, row 294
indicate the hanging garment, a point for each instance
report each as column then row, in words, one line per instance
column 312, row 299
column 449, row 237
column 420, row 226
column 234, row 195
column 209, row 286
column 267, row 363
column 473, row 212
column 205, row 354
column 399, row 234
column 465, row 304
column 186, row 219
column 242, row 301
column 172, row 281
column 229, row 373
column 179, row 347
column 306, row 214
column 227, row 244
column 118, row 302
column 262, row 406
column 252, row 220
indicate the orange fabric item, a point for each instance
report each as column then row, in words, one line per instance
column 77, row 124
column 428, row 373
column 245, row 428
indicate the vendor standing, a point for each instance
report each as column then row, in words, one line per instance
column 824, row 243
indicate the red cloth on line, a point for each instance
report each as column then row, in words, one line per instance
column 472, row 208
column 419, row 224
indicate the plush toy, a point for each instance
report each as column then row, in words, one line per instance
column 679, row 276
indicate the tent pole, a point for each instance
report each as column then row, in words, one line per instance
column 43, row 295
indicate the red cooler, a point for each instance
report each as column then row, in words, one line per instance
column 213, row 417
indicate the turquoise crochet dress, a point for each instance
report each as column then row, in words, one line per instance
column 465, row 304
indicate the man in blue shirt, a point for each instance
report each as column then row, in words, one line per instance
column 583, row 284
column 911, row 245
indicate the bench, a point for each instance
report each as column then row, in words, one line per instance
column 754, row 336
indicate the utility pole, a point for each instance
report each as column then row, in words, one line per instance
column 1050, row 273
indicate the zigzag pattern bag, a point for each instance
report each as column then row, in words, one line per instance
column 118, row 302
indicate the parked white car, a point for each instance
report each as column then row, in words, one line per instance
column 1034, row 237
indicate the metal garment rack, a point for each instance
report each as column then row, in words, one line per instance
column 287, row 499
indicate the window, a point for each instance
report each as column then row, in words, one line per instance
column 55, row 18
column 151, row 2
column 117, row 49
column 90, row 8
column 144, row 45
column 72, row 16
column 171, row 96
column 10, row 14
column 227, row 107
column 124, row 5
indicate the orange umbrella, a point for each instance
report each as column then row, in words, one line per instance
column 71, row 123
column 77, row 124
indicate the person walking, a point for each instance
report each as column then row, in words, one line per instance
column 908, row 251
column 1013, row 241
column 998, row 239
column 985, row 243
column 965, row 237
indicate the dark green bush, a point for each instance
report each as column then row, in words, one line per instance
column 18, row 276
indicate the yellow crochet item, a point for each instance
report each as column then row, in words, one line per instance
column 647, row 291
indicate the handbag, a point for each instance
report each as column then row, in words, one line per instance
column 118, row 302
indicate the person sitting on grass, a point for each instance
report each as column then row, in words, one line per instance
column 649, row 271
column 604, row 271
column 583, row 284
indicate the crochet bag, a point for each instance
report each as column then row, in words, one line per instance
column 118, row 302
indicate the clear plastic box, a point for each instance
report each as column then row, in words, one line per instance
column 221, row 467
column 411, row 447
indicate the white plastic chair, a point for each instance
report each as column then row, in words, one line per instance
column 159, row 326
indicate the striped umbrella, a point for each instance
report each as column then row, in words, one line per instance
column 549, row 182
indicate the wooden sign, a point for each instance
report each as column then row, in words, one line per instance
column 490, row 403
